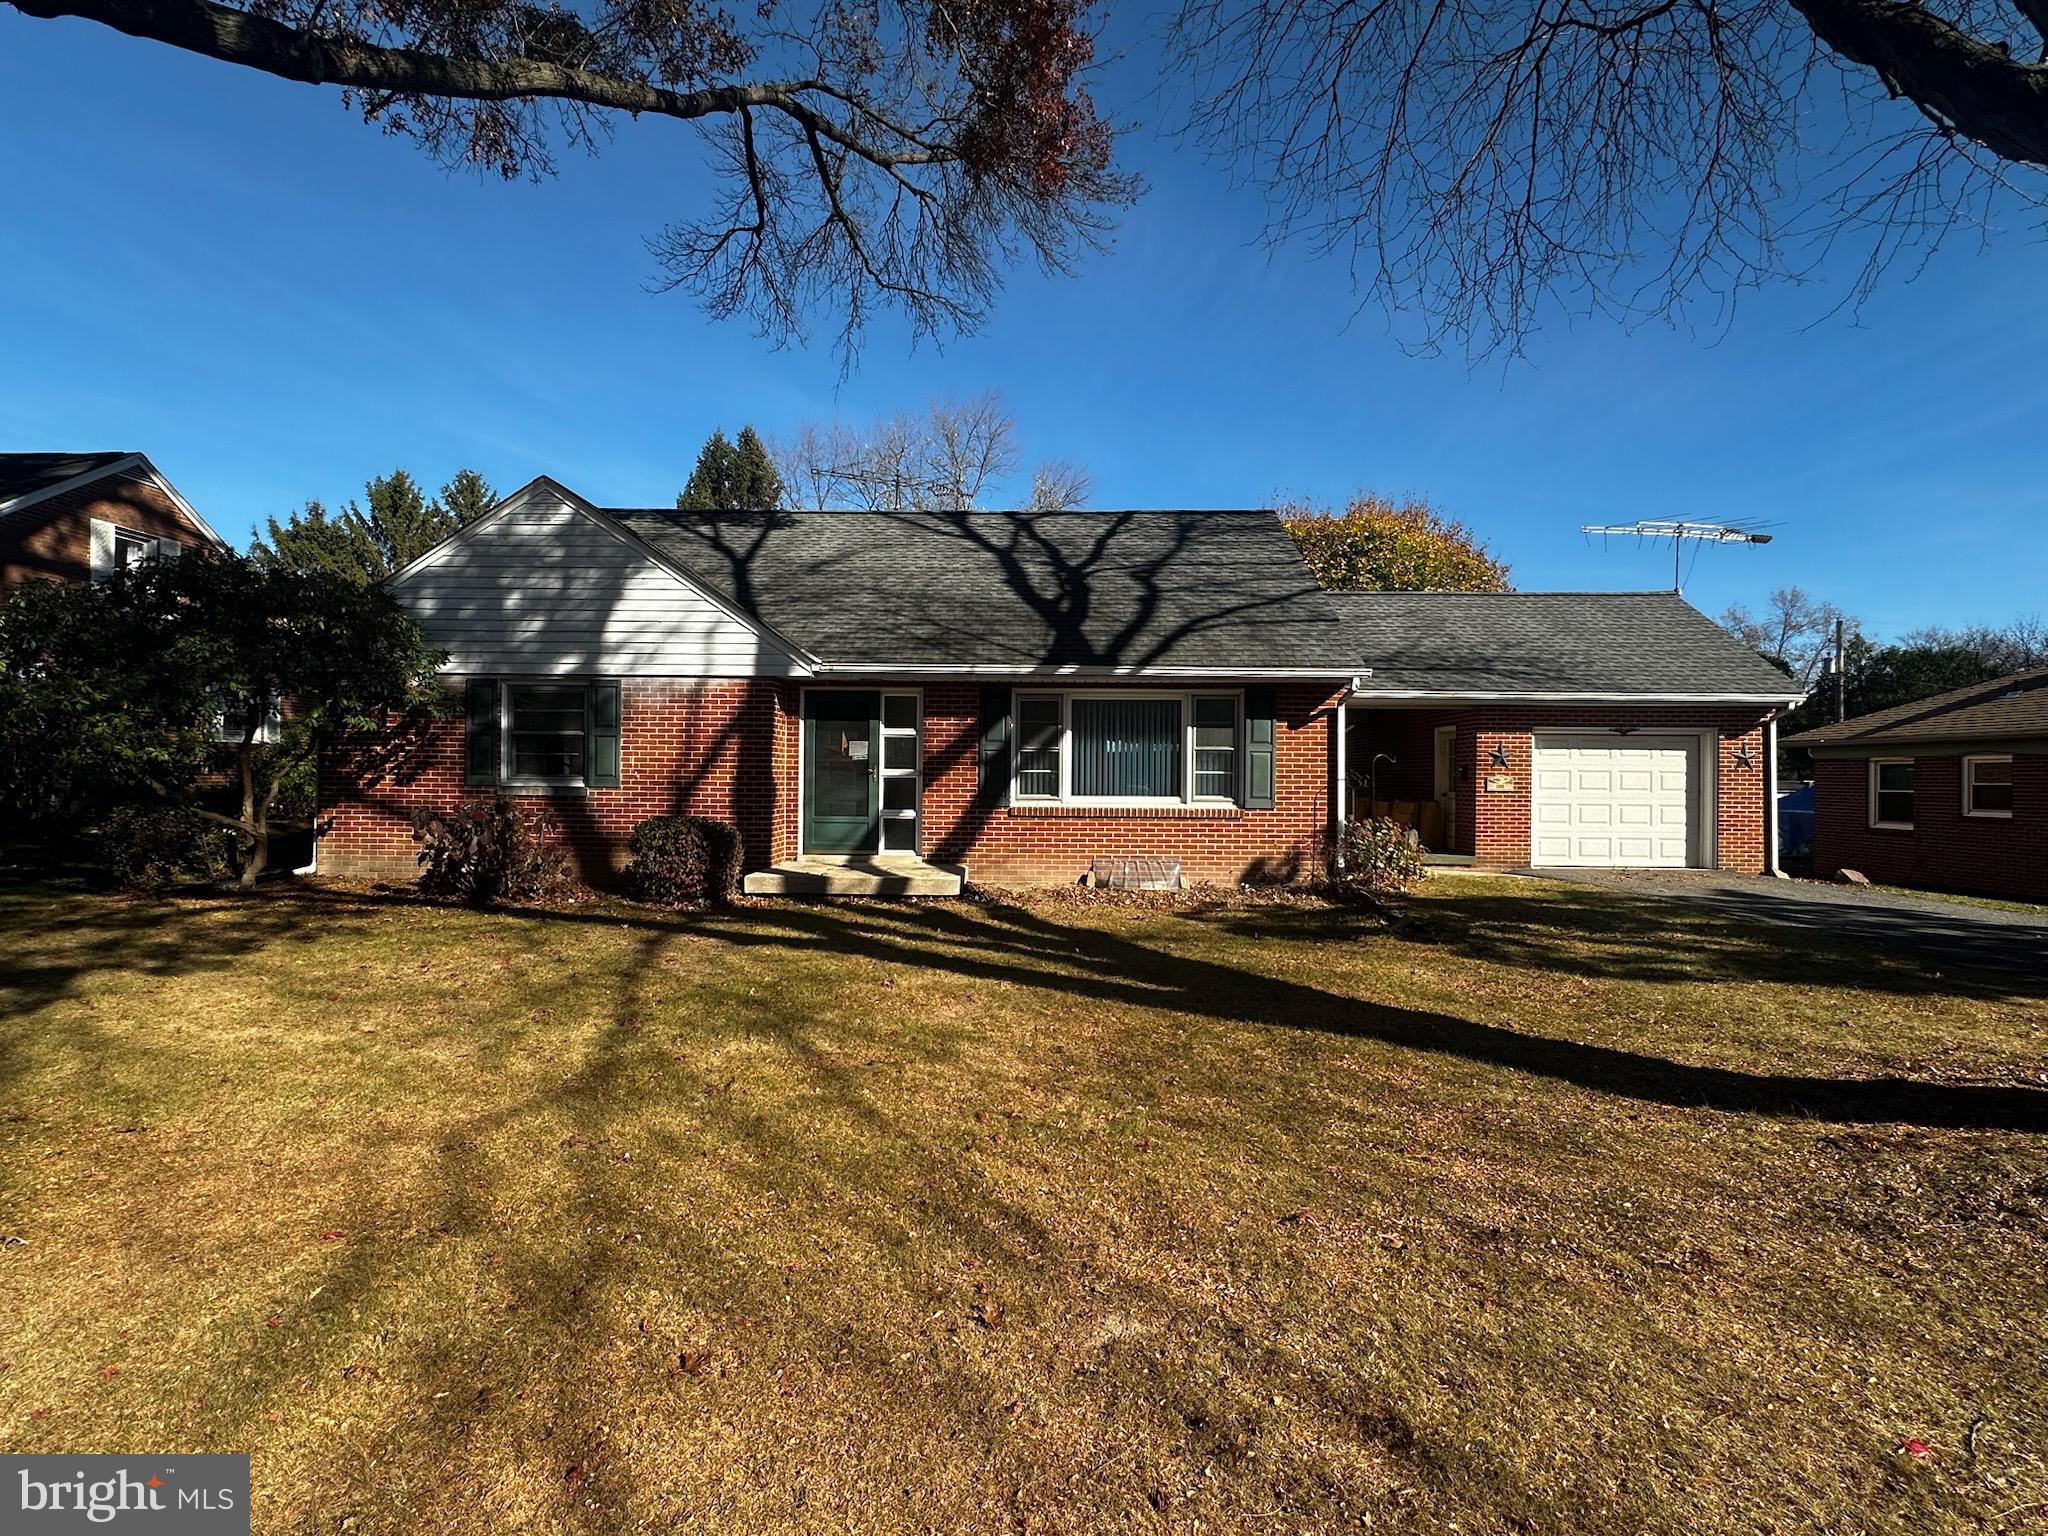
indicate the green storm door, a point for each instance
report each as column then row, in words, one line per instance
column 842, row 734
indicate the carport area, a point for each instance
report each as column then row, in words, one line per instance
column 1509, row 784
column 1940, row 932
column 1563, row 730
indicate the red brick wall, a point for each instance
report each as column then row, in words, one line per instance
column 731, row 749
column 1944, row 850
column 1494, row 827
column 719, row 748
column 52, row 540
column 1030, row 845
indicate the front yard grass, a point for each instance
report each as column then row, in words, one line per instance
column 1556, row 1213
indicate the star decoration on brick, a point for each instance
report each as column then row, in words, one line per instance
column 1743, row 758
column 1498, row 757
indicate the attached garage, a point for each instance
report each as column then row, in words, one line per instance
column 1608, row 800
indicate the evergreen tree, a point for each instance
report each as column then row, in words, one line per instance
column 732, row 476
column 709, row 488
column 756, row 484
column 311, row 541
column 467, row 496
column 393, row 525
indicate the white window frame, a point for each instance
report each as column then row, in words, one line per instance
column 506, row 777
column 229, row 733
column 914, row 732
column 1970, row 783
column 1186, row 796
column 104, row 545
column 1877, row 764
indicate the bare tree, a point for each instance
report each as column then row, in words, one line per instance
column 957, row 456
column 1059, row 485
column 1491, row 163
column 2020, row 646
column 1795, row 630
column 893, row 153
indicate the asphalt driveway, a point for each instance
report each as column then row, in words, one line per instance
column 1945, row 932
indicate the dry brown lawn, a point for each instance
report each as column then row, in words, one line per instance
column 1556, row 1213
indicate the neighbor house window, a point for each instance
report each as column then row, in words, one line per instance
column 547, row 733
column 116, row 549
column 1987, row 786
column 1118, row 748
column 231, row 724
column 1891, row 792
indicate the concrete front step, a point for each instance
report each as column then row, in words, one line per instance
column 885, row 876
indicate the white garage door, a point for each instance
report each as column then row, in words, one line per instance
column 1613, row 801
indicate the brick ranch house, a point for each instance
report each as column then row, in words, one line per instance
column 1025, row 693
column 82, row 516
column 1950, row 793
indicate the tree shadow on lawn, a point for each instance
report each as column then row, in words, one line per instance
column 1010, row 943
column 1619, row 937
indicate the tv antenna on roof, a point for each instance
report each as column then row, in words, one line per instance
column 1678, row 530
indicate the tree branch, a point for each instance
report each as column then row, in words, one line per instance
column 256, row 42
column 1959, row 82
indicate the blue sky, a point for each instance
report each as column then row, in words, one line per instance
column 234, row 275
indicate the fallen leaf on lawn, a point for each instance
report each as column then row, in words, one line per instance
column 1393, row 1240
column 1917, row 1449
column 988, row 1314
column 332, row 1235
column 693, row 1361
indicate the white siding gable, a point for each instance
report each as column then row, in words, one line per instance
column 541, row 586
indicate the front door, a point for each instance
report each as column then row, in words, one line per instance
column 841, row 732
column 1447, row 780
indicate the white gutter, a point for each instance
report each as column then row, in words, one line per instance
column 1438, row 696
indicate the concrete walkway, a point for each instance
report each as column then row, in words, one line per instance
column 1945, row 932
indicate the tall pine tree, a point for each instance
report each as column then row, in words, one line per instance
column 394, row 525
column 732, row 476
column 756, row 484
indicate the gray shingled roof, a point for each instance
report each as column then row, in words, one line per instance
column 1550, row 642
column 2004, row 709
column 23, row 474
column 1154, row 590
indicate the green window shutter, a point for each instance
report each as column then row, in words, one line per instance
column 1259, row 735
column 604, row 736
column 480, row 732
column 994, row 781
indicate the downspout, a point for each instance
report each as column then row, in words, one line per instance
column 1771, row 797
column 1340, row 788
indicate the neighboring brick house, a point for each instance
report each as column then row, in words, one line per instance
column 1020, row 694
column 81, row 516
column 1950, row 792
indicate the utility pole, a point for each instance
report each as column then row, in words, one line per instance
column 1842, row 676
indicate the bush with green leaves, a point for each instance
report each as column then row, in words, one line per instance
column 490, row 850
column 1379, row 856
column 684, row 860
column 151, row 848
column 205, row 684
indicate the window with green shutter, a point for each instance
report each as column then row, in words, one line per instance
column 542, row 733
